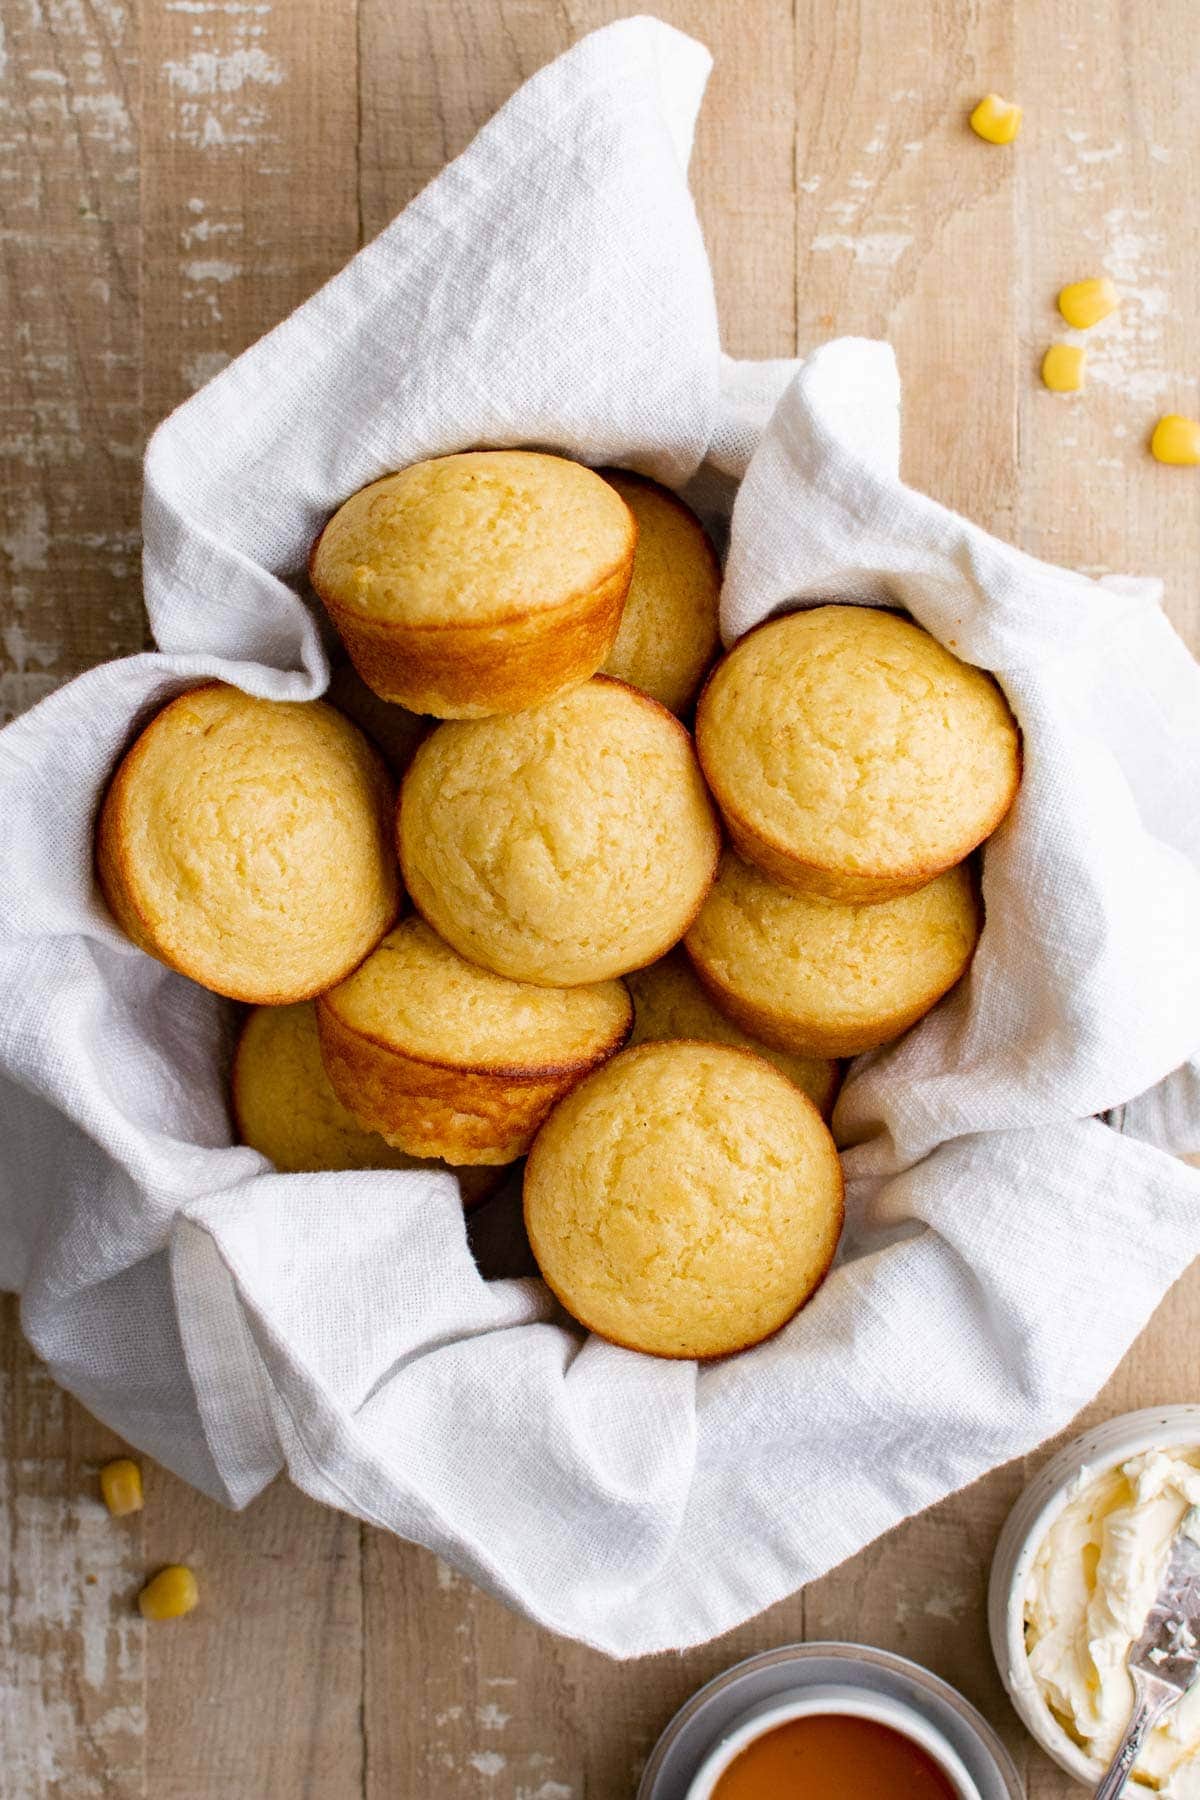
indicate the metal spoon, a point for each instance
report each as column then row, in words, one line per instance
column 1166, row 1658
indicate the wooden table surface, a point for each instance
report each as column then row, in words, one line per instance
column 176, row 176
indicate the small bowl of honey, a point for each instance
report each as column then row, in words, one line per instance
column 833, row 1743
column 829, row 1722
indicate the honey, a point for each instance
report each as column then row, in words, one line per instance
column 832, row 1757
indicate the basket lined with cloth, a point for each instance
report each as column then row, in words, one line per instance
column 551, row 288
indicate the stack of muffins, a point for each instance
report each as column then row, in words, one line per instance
column 556, row 833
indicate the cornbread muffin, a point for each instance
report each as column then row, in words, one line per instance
column 477, row 584
column 284, row 1107
column 668, row 634
column 822, row 978
column 684, row 1200
column 851, row 755
column 245, row 843
column 394, row 731
column 444, row 1058
column 670, row 1004
column 562, row 845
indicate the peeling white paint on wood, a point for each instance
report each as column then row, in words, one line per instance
column 879, row 249
column 489, row 1763
column 1126, row 350
column 72, row 1713
column 209, row 72
column 27, row 544
column 202, row 366
column 214, row 269
column 70, row 407
column 27, row 653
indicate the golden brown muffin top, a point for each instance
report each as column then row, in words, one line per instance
column 684, row 1200
column 828, row 962
column 566, row 844
column 853, row 739
column 480, row 538
column 284, row 1106
column 669, row 1003
column 249, row 841
column 668, row 634
column 417, row 995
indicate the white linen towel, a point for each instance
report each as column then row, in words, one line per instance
column 1003, row 1244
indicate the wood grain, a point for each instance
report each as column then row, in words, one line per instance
column 1111, row 184
column 180, row 174
column 70, row 405
column 260, row 1691
column 905, row 228
column 72, row 1648
column 249, row 192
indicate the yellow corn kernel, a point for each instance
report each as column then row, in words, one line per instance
column 1084, row 303
column 995, row 120
column 169, row 1594
column 1062, row 368
column 121, row 1487
column 1176, row 440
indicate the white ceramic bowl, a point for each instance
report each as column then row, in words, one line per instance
column 846, row 1702
column 775, row 1680
column 1074, row 1467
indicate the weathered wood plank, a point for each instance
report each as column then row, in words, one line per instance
column 70, row 410
column 496, row 1709
column 258, row 1692
column 1108, row 184
column 72, row 1648
column 250, row 195
column 905, row 228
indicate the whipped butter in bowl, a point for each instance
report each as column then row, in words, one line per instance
column 1076, row 1571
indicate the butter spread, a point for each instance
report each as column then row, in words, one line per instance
column 1091, row 1586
